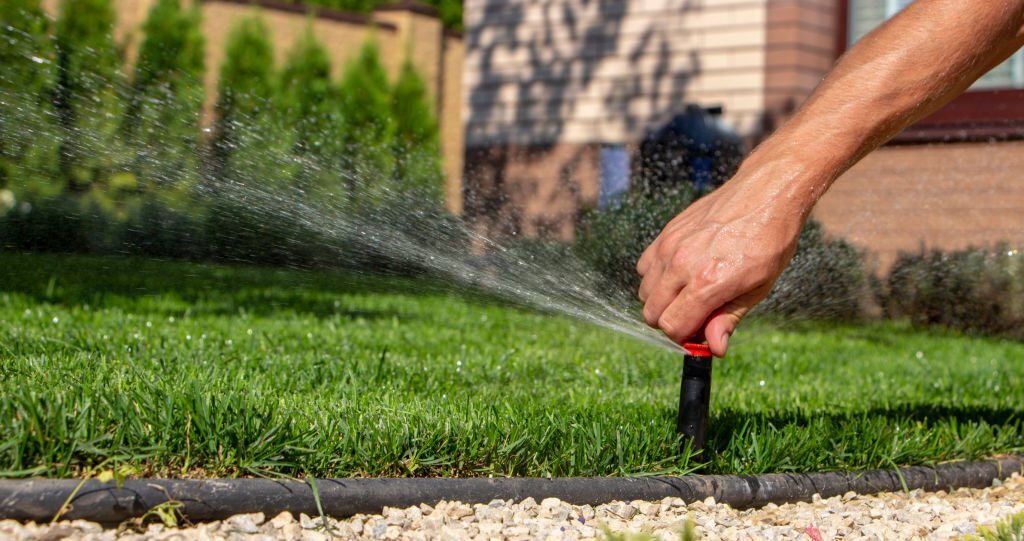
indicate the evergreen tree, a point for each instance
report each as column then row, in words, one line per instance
column 27, row 138
column 309, row 110
column 88, row 94
column 367, row 130
column 166, row 98
column 417, row 144
column 247, row 145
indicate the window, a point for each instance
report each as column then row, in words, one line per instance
column 865, row 15
column 614, row 174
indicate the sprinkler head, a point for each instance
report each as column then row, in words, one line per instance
column 695, row 397
column 697, row 350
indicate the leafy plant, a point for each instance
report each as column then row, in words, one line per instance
column 88, row 95
column 27, row 129
column 166, row 96
column 368, row 130
column 309, row 107
column 974, row 290
column 417, row 145
column 1010, row 528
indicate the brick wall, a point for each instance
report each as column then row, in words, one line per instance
column 903, row 198
column 800, row 49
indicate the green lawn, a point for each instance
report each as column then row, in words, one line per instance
column 197, row 370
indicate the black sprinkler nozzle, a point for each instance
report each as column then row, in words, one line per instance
column 695, row 397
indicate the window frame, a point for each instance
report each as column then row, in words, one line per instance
column 975, row 115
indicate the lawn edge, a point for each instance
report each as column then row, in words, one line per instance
column 215, row 499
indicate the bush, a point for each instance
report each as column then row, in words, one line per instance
column 973, row 290
column 161, row 122
column 612, row 240
column 88, row 97
column 826, row 279
column 309, row 106
column 28, row 141
column 417, row 145
column 247, row 147
column 368, row 130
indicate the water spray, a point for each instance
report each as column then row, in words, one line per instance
column 695, row 397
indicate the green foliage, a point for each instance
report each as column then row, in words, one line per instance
column 208, row 370
column 449, row 11
column 826, row 279
column 309, row 106
column 368, row 131
column 417, row 144
column 27, row 71
column 88, row 95
column 166, row 97
column 613, row 239
column 1009, row 529
column 974, row 290
column 246, row 146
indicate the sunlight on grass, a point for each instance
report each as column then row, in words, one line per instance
column 195, row 370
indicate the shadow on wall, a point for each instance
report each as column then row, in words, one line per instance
column 548, row 85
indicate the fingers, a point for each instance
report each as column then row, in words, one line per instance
column 684, row 317
column 643, row 264
column 717, row 328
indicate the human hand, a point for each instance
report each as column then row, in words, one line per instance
column 720, row 257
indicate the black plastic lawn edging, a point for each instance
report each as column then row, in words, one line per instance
column 215, row 499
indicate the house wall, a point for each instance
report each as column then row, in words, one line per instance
column 555, row 79
column 949, row 196
column 800, row 48
column 580, row 71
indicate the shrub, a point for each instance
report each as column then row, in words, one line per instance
column 247, row 148
column 973, row 290
column 826, row 278
column 166, row 96
column 28, row 146
column 367, row 131
column 612, row 240
column 309, row 107
column 88, row 95
column 417, row 140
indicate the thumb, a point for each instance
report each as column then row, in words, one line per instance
column 723, row 322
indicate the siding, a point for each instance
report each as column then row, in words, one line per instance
column 579, row 71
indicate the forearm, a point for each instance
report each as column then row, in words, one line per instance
column 907, row 68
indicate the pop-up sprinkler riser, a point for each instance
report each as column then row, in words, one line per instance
column 695, row 397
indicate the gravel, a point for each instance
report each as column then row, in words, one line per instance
column 914, row 515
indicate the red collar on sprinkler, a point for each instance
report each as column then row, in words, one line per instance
column 697, row 350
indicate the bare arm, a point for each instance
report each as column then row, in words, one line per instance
column 721, row 256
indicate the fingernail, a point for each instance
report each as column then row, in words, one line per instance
column 725, row 342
